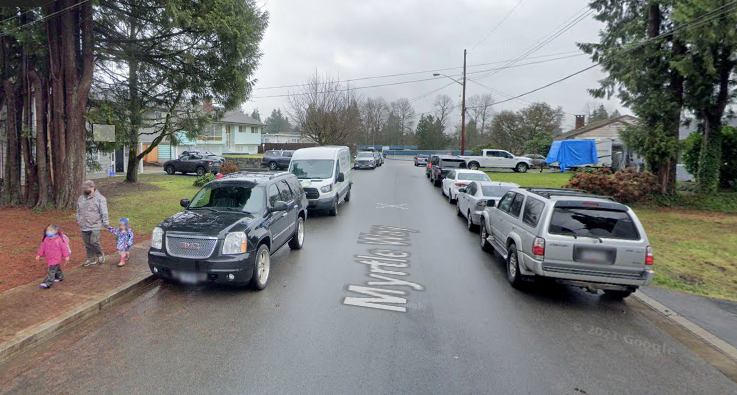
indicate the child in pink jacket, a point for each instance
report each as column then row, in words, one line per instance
column 55, row 247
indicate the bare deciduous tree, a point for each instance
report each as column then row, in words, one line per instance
column 404, row 111
column 374, row 114
column 326, row 110
column 444, row 106
column 480, row 112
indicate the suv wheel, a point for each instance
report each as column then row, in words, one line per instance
column 485, row 246
column 273, row 166
column 617, row 294
column 298, row 239
column 201, row 171
column 170, row 170
column 469, row 223
column 334, row 210
column 262, row 268
column 450, row 197
column 513, row 275
column 521, row 168
column 458, row 211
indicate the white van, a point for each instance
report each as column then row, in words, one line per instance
column 325, row 174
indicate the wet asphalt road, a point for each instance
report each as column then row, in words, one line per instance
column 466, row 332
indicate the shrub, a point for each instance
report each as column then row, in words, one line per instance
column 728, row 171
column 228, row 167
column 203, row 179
column 628, row 186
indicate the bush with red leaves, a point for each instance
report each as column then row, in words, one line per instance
column 628, row 186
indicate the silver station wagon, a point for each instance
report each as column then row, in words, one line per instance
column 573, row 237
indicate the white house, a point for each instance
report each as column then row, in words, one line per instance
column 281, row 138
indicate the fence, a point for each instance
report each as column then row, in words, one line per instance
column 283, row 146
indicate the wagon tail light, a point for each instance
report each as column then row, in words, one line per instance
column 460, row 184
column 649, row 258
column 538, row 246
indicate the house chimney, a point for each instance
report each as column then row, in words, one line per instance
column 580, row 121
column 208, row 104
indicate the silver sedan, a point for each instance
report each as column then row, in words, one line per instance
column 473, row 199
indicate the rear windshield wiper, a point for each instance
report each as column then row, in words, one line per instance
column 575, row 236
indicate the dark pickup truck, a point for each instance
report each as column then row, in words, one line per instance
column 192, row 163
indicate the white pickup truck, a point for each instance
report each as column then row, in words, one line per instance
column 494, row 158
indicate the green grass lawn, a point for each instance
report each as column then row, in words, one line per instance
column 532, row 178
column 694, row 236
column 155, row 199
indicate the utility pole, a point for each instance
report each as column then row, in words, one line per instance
column 463, row 108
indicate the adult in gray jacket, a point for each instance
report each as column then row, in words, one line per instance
column 92, row 218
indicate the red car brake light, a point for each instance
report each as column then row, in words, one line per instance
column 460, row 184
column 649, row 257
column 538, row 246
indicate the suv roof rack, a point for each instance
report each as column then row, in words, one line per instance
column 255, row 174
column 549, row 192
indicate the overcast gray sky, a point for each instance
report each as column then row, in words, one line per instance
column 365, row 38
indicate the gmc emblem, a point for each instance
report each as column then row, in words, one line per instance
column 189, row 246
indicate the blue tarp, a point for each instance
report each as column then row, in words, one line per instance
column 571, row 153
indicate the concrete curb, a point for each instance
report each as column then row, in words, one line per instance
column 38, row 334
column 719, row 344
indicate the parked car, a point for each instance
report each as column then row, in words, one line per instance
column 325, row 174
column 378, row 158
column 228, row 231
column 275, row 160
column 498, row 159
column 192, row 163
column 537, row 160
column 421, row 159
column 441, row 165
column 204, row 154
column 457, row 179
column 365, row 160
column 575, row 238
column 428, row 167
column 472, row 199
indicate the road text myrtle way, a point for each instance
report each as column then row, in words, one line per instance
column 382, row 264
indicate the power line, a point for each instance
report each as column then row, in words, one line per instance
column 497, row 25
column 578, row 53
column 43, row 18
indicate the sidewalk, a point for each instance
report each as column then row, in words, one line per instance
column 31, row 315
column 718, row 317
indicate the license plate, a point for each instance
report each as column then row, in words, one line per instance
column 594, row 256
column 189, row 278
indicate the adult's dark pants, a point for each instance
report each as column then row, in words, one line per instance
column 91, row 239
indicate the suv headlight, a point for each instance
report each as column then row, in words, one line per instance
column 157, row 238
column 326, row 188
column 235, row 243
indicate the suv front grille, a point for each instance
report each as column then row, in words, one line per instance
column 312, row 193
column 190, row 247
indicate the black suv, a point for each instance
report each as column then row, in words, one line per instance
column 229, row 230
column 441, row 165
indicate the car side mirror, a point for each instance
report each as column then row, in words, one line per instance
column 341, row 177
column 490, row 203
column 280, row 206
column 184, row 203
column 462, row 190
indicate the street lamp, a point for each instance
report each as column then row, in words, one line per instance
column 463, row 102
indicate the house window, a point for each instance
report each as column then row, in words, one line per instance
column 253, row 129
column 211, row 133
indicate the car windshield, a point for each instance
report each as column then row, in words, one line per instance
column 312, row 168
column 223, row 197
column 590, row 222
column 495, row 190
column 473, row 177
column 365, row 155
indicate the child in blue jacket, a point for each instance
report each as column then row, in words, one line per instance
column 123, row 240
